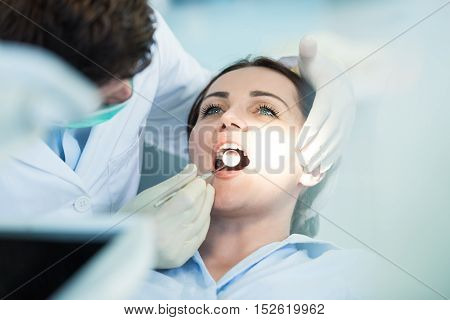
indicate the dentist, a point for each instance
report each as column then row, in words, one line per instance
column 145, row 78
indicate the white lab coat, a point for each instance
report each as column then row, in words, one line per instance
column 35, row 181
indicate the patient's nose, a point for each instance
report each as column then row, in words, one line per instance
column 231, row 121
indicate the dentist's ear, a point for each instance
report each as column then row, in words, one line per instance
column 311, row 179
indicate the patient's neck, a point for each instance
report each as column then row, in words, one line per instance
column 230, row 239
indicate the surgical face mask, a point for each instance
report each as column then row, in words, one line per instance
column 99, row 116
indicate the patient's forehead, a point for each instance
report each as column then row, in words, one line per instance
column 242, row 81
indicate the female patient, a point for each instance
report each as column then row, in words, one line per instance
column 257, row 107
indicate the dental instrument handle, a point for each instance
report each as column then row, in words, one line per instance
column 210, row 173
column 206, row 175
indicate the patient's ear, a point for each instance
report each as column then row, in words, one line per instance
column 311, row 179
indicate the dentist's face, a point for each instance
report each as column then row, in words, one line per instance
column 256, row 110
column 116, row 91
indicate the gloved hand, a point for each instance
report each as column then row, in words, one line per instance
column 331, row 118
column 183, row 221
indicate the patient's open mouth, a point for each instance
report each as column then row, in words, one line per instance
column 232, row 157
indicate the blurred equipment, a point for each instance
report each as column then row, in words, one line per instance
column 38, row 90
column 95, row 258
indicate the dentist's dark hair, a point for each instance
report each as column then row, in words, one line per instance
column 102, row 39
column 306, row 93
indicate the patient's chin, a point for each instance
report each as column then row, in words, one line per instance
column 224, row 201
column 228, row 204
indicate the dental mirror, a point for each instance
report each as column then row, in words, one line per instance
column 231, row 158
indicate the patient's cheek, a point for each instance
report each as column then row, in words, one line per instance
column 200, row 149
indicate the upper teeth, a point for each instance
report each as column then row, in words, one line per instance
column 230, row 146
column 227, row 146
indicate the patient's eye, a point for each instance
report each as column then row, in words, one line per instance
column 266, row 110
column 210, row 109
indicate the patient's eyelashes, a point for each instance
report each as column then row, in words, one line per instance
column 210, row 109
column 261, row 109
column 266, row 110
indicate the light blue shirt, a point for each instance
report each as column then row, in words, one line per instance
column 68, row 144
column 297, row 268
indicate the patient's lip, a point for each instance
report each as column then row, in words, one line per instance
column 224, row 174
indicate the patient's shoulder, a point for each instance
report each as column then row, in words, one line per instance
column 352, row 268
column 314, row 248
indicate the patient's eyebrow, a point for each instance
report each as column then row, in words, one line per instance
column 220, row 94
column 258, row 93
